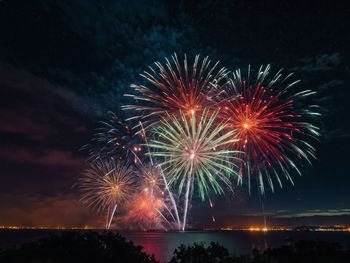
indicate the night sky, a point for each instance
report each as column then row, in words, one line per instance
column 65, row 64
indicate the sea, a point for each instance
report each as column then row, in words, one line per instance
column 163, row 244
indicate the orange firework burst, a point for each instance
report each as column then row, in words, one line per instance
column 106, row 185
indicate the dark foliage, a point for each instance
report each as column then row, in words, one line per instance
column 303, row 252
column 299, row 252
column 199, row 253
column 78, row 247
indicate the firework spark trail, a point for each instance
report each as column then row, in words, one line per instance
column 177, row 220
column 193, row 152
column 175, row 87
column 150, row 208
column 211, row 208
column 152, row 182
column 172, row 199
column 187, row 197
column 106, row 185
column 273, row 123
column 112, row 215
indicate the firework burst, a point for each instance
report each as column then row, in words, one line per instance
column 107, row 185
column 146, row 210
column 273, row 123
column 175, row 87
column 151, row 179
column 193, row 152
column 114, row 139
column 151, row 206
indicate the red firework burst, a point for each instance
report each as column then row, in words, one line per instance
column 175, row 87
column 145, row 211
column 272, row 127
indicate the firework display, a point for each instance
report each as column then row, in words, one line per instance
column 199, row 129
column 175, row 87
column 273, row 124
column 107, row 185
column 193, row 152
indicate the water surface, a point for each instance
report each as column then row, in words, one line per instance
column 163, row 244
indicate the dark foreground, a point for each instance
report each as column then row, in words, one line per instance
column 110, row 247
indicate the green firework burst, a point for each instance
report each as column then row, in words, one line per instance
column 195, row 149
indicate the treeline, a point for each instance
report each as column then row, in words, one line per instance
column 110, row 247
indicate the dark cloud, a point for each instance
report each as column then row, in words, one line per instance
column 306, row 213
column 20, row 124
column 46, row 157
column 43, row 126
column 320, row 63
column 24, row 93
column 316, row 212
column 115, row 42
column 326, row 74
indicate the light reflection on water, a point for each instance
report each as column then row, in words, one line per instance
column 162, row 245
